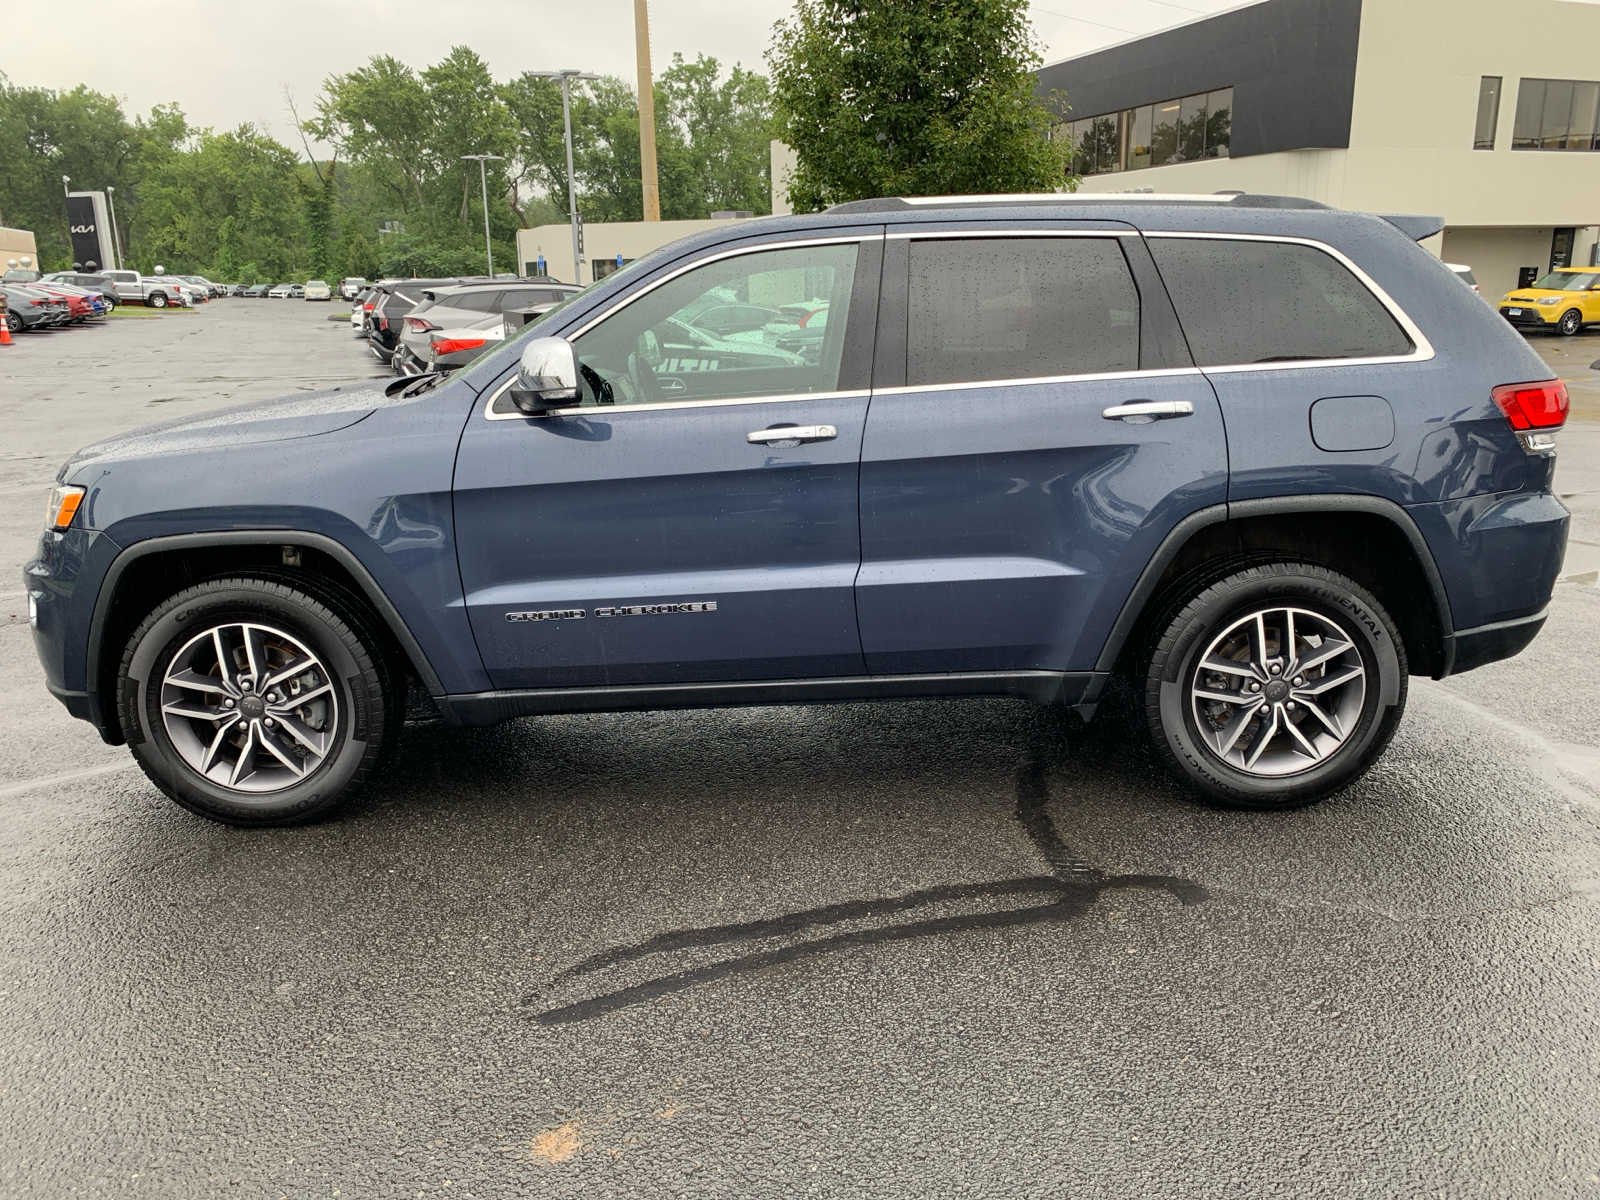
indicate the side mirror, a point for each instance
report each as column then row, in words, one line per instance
column 547, row 377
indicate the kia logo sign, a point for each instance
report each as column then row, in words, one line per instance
column 83, row 229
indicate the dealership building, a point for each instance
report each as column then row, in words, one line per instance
column 1483, row 112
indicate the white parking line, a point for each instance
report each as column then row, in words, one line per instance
column 69, row 777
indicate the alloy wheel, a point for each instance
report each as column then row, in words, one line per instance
column 249, row 707
column 1278, row 691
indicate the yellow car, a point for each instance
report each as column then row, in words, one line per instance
column 1565, row 300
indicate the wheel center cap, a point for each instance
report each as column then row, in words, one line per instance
column 252, row 708
column 1277, row 691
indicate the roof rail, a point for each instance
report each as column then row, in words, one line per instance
column 1028, row 199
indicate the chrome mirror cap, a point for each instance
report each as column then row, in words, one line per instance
column 547, row 376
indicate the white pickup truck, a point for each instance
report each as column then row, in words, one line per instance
column 154, row 291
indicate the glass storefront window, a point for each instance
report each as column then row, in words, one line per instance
column 1219, row 122
column 1181, row 130
column 1557, row 114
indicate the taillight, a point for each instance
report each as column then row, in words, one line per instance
column 1535, row 410
column 420, row 324
column 451, row 345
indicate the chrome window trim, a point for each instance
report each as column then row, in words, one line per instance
column 613, row 409
column 1096, row 377
column 736, row 252
column 946, row 234
column 1423, row 351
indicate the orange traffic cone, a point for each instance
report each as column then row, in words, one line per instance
column 5, row 331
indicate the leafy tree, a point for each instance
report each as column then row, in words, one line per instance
column 359, row 258
column 723, row 135
column 912, row 98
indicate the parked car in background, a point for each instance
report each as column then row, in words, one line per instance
column 350, row 287
column 1464, row 273
column 98, row 284
column 241, row 289
column 257, row 291
column 317, row 289
column 280, row 291
column 459, row 309
column 358, row 310
column 29, row 309
column 154, row 291
column 297, row 291
column 393, row 301
column 1564, row 301
column 208, row 289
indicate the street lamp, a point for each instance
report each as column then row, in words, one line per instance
column 483, row 161
column 567, row 75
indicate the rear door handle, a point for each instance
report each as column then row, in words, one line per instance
column 1142, row 412
column 791, row 435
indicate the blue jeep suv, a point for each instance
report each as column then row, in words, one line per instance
column 1263, row 458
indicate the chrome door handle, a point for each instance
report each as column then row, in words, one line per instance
column 1142, row 412
column 791, row 435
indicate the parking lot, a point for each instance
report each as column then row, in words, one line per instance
column 937, row 949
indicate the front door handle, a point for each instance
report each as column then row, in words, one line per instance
column 791, row 435
column 1142, row 412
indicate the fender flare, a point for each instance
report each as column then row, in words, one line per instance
column 253, row 537
column 1238, row 510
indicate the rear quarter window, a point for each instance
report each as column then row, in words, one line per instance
column 1244, row 302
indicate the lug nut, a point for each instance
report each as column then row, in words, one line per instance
column 268, row 722
column 1299, row 681
column 1275, row 668
column 1255, row 687
column 243, row 725
column 1289, row 705
column 228, row 703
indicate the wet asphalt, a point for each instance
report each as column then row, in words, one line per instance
column 936, row 949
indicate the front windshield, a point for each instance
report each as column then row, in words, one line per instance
column 1568, row 281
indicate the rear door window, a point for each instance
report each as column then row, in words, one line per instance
column 1019, row 308
column 1244, row 302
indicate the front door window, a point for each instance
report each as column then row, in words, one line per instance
column 757, row 325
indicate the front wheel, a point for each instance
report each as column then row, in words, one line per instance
column 252, row 703
column 1570, row 323
column 158, row 300
column 1275, row 687
column 13, row 323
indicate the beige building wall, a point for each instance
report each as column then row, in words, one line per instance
column 601, row 241
column 14, row 243
column 1411, row 134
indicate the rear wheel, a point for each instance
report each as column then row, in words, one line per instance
column 157, row 300
column 252, row 703
column 14, row 322
column 1275, row 687
column 1570, row 323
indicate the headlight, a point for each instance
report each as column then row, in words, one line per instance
column 1550, row 299
column 64, row 503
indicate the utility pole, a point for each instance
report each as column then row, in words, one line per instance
column 647, row 113
column 483, row 161
column 567, row 75
column 116, row 239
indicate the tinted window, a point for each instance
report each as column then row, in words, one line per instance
column 1253, row 302
column 1020, row 308
column 651, row 351
column 528, row 297
column 484, row 301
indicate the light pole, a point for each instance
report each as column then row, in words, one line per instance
column 116, row 239
column 483, row 161
column 567, row 75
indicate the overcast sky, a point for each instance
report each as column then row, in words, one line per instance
column 228, row 62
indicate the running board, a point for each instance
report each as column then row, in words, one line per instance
column 1043, row 687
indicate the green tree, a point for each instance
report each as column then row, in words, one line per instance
column 359, row 258
column 723, row 135
column 912, row 98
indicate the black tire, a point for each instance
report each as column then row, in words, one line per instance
column 1328, row 604
column 366, row 711
column 14, row 322
column 156, row 300
column 1570, row 324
